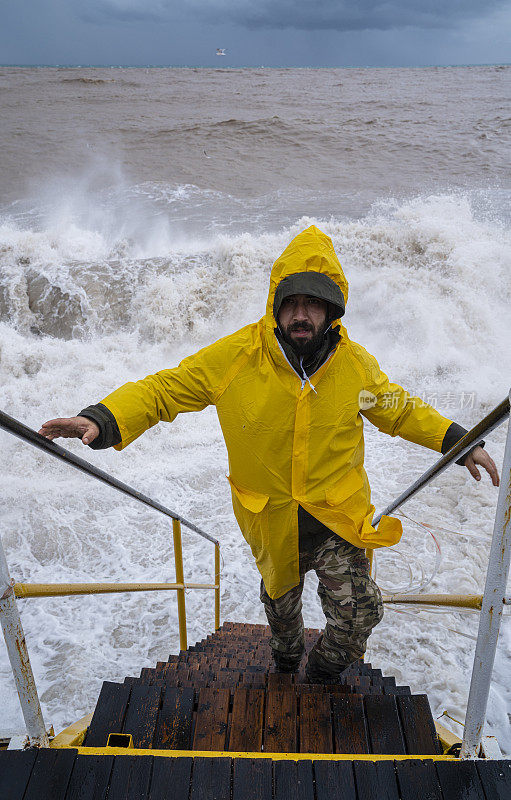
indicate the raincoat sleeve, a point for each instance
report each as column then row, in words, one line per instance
column 395, row 412
column 191, row 386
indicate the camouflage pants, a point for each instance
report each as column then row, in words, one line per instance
column 350, row 599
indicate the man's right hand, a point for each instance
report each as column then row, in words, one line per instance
column 70, row 427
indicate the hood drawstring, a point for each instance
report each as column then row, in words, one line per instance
column 305, row 377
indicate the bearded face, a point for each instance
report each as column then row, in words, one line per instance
column 303, row 320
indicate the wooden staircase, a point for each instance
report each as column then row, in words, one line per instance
column 234, row 729
column 224, row 695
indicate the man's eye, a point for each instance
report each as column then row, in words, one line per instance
column 313, row 301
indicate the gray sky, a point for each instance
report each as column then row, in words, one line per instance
column 255, row 32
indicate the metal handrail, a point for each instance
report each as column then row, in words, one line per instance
column 491, row 603
column 25, row 590
column 17, row 428
column 9, row 590
column 492, row 420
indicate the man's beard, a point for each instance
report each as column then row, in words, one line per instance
column 304, row 347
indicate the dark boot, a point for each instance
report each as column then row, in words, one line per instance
column 284, row 663
column 319, row 670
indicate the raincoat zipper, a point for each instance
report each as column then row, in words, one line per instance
column 304, row 378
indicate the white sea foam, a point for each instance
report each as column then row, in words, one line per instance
column 88, row 304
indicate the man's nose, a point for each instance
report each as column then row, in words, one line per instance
column 300, row 312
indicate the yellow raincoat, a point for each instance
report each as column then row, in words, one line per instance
column 287, row 444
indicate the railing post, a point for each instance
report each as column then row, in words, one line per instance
column 178, row 558
column 491, row 613
column 217, row 584
column 18, row 656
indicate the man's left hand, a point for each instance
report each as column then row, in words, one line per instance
column 481, row 457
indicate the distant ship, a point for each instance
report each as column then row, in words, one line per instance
column 220, row 51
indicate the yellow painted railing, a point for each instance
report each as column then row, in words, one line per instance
column 26, row 590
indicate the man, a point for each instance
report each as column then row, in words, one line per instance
column 290, row 392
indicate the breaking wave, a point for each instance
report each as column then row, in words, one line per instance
column 429, row 274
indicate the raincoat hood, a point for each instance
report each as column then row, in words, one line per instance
column 308, row 265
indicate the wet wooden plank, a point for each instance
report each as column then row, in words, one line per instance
column 277, row 679
column 383, row 723
column 349, row 724
column 178, row 677
column 401, row 690
column 211, row 779
column 315, row 723
column 280, row 721
column 142, row 714
column 131, row 776
column 389, row 684
column 495, row 777
column 377, row 781
column 252, row 779
column 90, row 778
column 15, row 769
column 211, row 722
column 340, row 688
column 254, row 679
column 418, row 725
column 334, row 780
column 50, row 775
column 247, row 720
column 233, row 675
column 415, row 775
column 361, row 683
column 170, row 779
column 109, row 713
column 293, row 779
column 174, row 727
column 459, row 779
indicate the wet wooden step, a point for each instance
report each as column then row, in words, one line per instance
column 175, row 721
column 247, row 722
column 282, row 717
column 90, row 777
column 280, row 730
column 15, row 770
column 109, row 713
column 211, row 722
column 63, row 775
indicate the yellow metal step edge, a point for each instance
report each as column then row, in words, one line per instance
column 73, row 736
column 128, row 751
column 447, row 737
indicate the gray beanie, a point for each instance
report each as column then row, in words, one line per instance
column 314, row 284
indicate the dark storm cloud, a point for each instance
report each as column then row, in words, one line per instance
column 346, row 15
column 282, row 33
column 339, row 15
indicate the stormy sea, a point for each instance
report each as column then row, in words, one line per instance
column 140, row 213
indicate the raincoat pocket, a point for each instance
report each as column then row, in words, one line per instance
column 344, row 488
column 252, row 501
column 251, row 512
